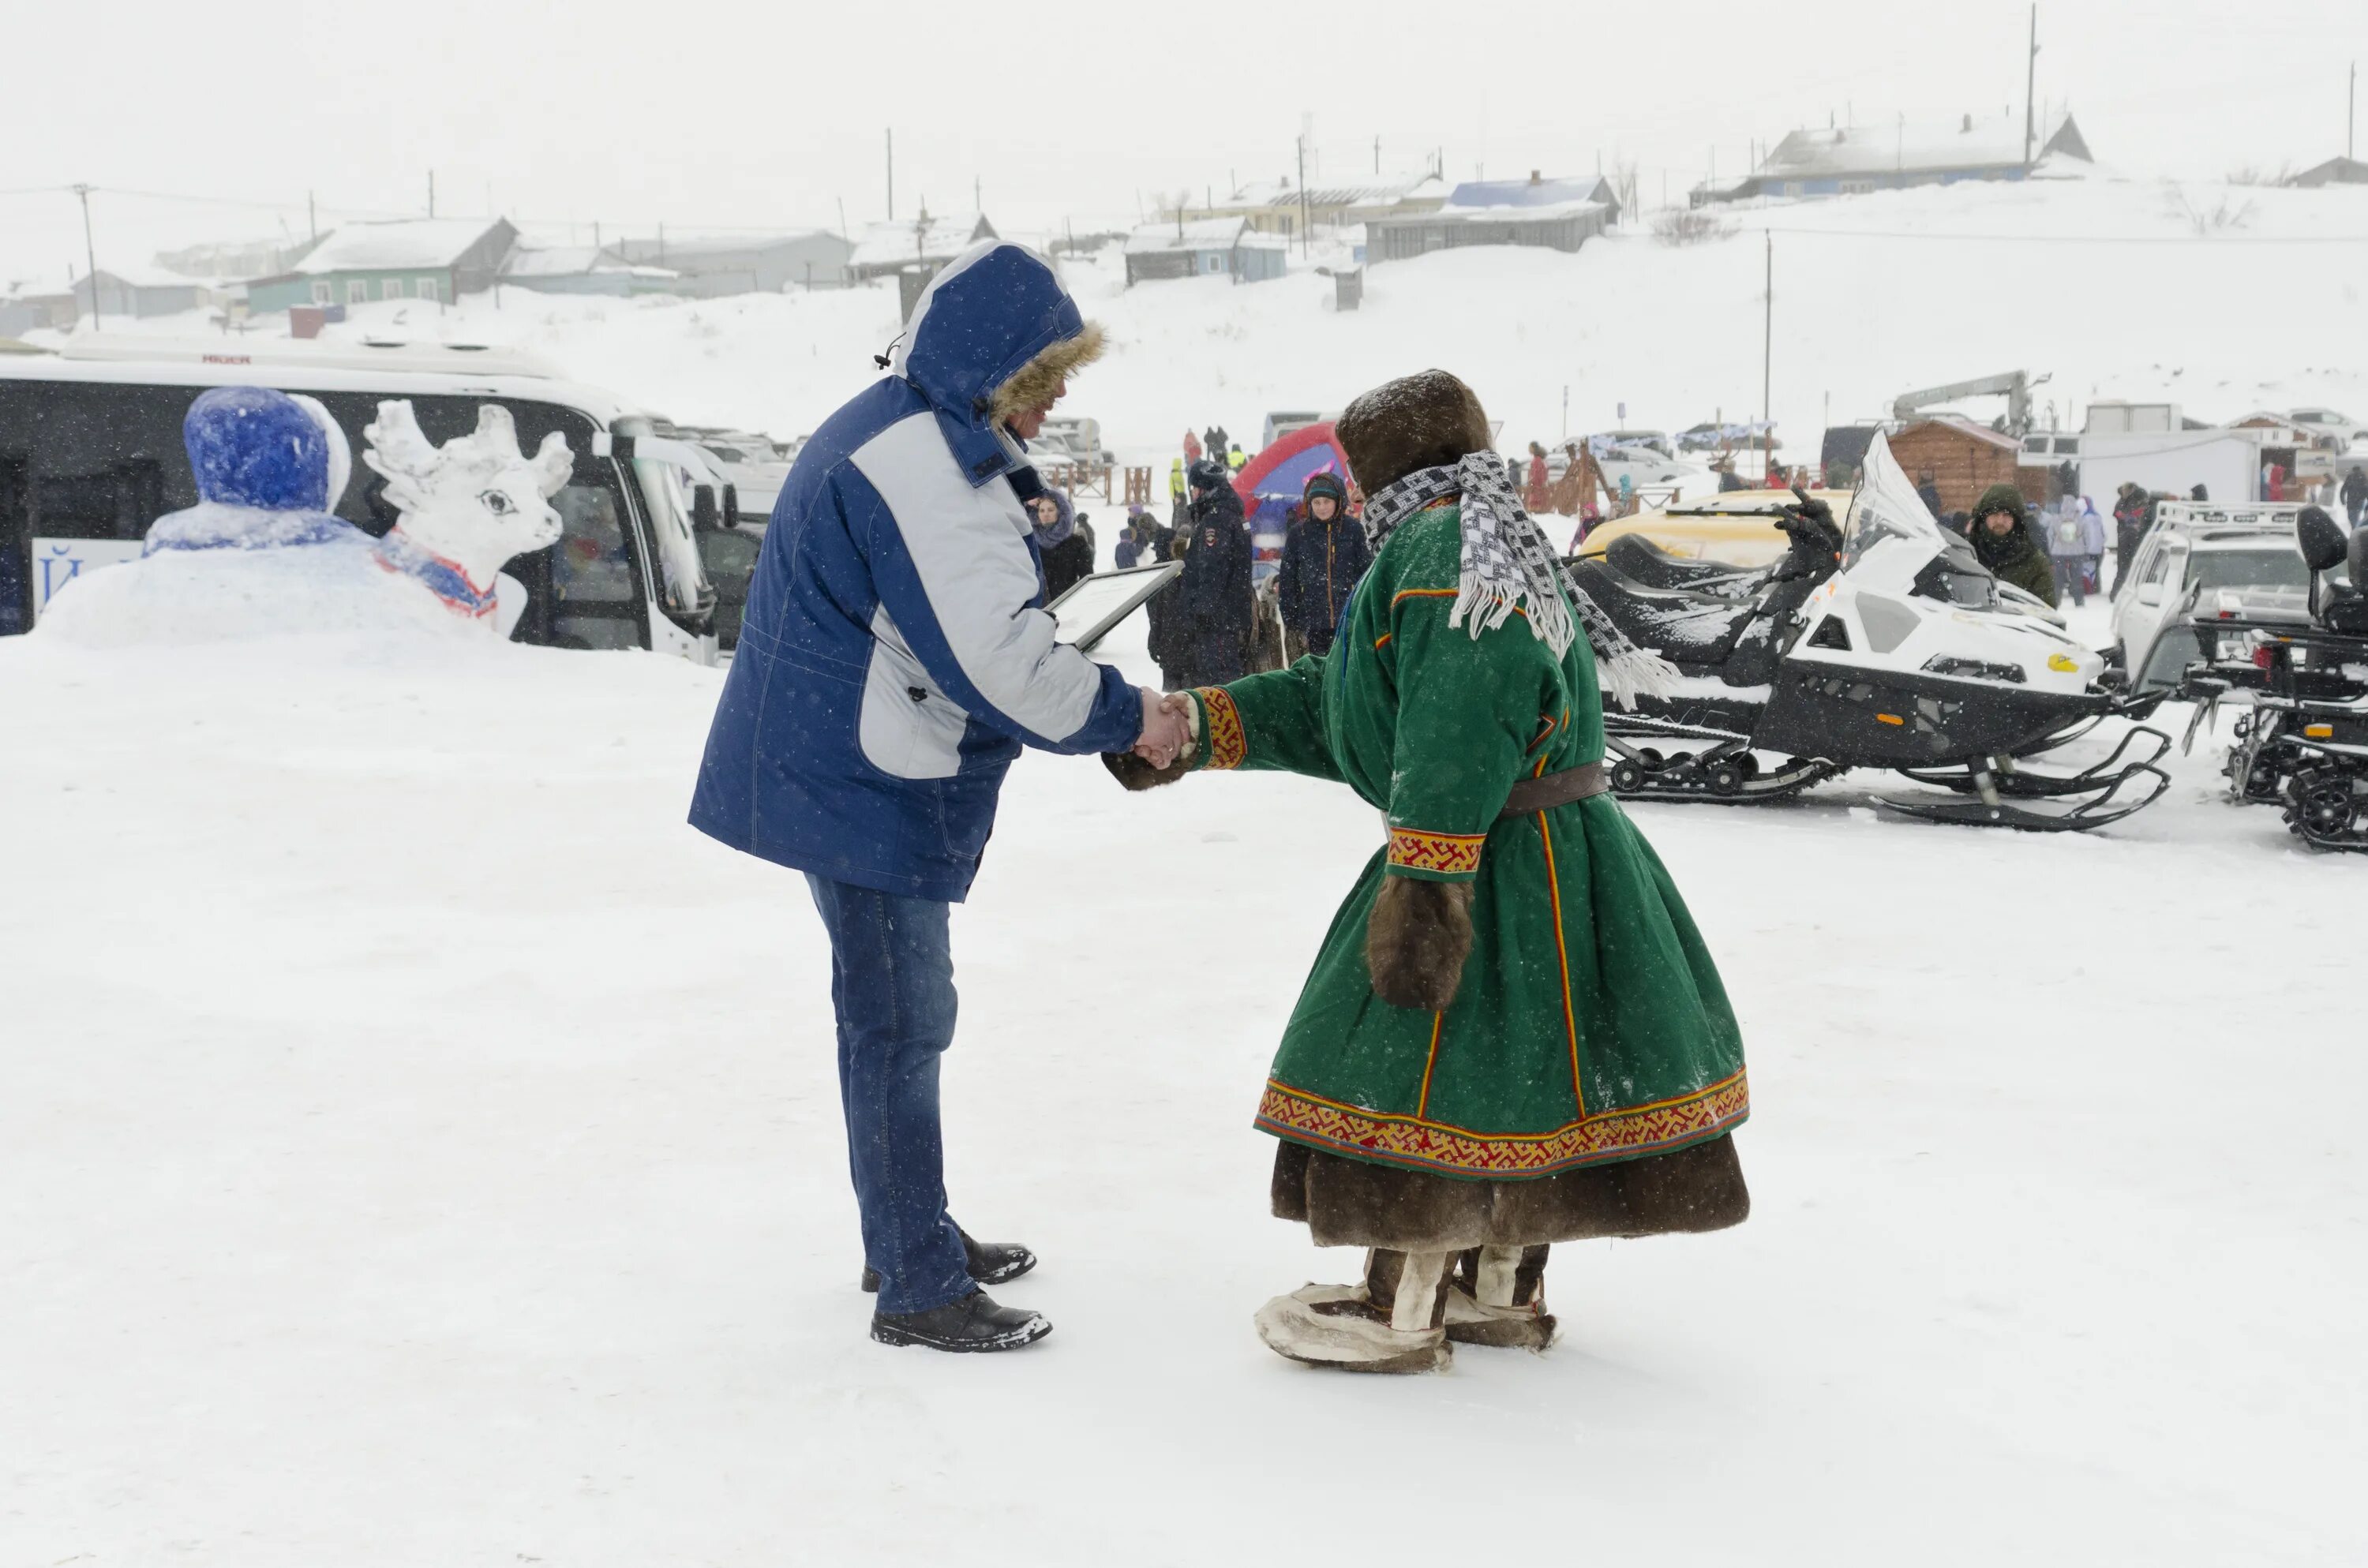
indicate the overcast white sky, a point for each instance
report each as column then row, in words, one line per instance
column 704, row 114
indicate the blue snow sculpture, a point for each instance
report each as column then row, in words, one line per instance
column 268, row 467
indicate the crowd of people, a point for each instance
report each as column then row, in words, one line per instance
column 1220, row 622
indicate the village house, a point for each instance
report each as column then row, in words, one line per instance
column 926, row 241
column 708, row 268
column 416, row 258
column 585, row 269
column 1204, row 247
column 1557, row 214
column 1852, row 160
column 1276, row 207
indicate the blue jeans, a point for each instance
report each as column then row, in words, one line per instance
column 891, row 987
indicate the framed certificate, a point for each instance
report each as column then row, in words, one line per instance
column 1092, row 606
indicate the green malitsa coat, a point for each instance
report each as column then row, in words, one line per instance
column 1591, row 1028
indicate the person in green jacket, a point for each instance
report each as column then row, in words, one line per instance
column 1513, row 1035
column 2005, row 546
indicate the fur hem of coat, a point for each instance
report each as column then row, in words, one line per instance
column 1035, row 383
column 1345, row 1202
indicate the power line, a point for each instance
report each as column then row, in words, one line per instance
column 1954, row 237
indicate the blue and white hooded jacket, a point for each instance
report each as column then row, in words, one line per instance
column 896, row 654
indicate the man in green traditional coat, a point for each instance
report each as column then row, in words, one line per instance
column 1513, row 1035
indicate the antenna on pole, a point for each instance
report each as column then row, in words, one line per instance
column 431, row 193
column 892, row 175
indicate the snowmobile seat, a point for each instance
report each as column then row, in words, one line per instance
column 1686, row 629
column 1640, row 561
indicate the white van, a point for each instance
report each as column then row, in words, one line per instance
column 91, row 454
column 2203, row 558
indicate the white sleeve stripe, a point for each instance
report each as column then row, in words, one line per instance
column 968, row 547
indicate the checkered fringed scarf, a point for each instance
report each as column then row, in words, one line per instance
column 1509, row 566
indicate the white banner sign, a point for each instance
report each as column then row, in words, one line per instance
column 57, row 561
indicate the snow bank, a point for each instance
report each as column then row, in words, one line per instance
column 177, row 597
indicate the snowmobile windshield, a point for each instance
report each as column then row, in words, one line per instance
column 1893, row 541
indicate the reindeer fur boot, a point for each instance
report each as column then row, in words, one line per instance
column 1497, row 1297
column 1395, row 1321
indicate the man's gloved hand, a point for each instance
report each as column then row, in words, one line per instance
column 1807, row 506
column 1164, row 753
column 1136, row 774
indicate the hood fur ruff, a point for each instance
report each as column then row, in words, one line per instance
column 1033, row 384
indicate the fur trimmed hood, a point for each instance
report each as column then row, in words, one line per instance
column 1033, row 384
column 993, row 327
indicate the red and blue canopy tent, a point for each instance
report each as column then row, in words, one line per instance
column 1271, row 484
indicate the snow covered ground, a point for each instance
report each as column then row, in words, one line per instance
column 416, row 1146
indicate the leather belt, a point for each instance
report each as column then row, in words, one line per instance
column 1556, row 789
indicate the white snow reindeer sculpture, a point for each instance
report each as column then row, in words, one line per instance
column 468, row 505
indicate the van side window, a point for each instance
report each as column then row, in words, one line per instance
column 96, row 461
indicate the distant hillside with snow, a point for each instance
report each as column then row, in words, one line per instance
column 2221, row 298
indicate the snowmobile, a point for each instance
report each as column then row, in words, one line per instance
column 1884, row 646
column 2303, row 743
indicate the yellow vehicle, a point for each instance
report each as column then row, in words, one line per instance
column 1721, row 528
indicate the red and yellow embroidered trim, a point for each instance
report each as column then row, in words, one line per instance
column 1413, row 1141
column 1228, row 743
column 1455, row 853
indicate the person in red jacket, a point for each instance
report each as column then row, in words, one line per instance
column 1192, row 448
column 1534, row 495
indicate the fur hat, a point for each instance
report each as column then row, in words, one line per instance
column 1035, row 383
column 1209, row 474
column 1414, row 422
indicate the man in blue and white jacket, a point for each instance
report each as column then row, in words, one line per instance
column 894, row 658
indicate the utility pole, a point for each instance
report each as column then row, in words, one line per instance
column 892, row 175
column 978, row 200
column 312, row 223
column 431, row 193
column 90, row 253
column 2350, row 107
column 2030, row 83
column 1768, row 359
column 1303, row 193
column 1377, row 150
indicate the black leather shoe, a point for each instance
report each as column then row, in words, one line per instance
column 991, row 1263
column 975, row 1323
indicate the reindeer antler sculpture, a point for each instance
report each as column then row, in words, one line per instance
column 468, row 505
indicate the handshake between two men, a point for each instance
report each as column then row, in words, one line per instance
column 1166, row 739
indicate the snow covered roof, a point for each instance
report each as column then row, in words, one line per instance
column 900, row 240
column 1966, row 143
column 1359, row 193
column 1964, row 425
column 412, row 242
column 1193, row 234
column 1519, row 212
column 570, row 261
column 1532, row 192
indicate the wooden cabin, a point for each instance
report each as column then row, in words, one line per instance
column 1964, row 458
